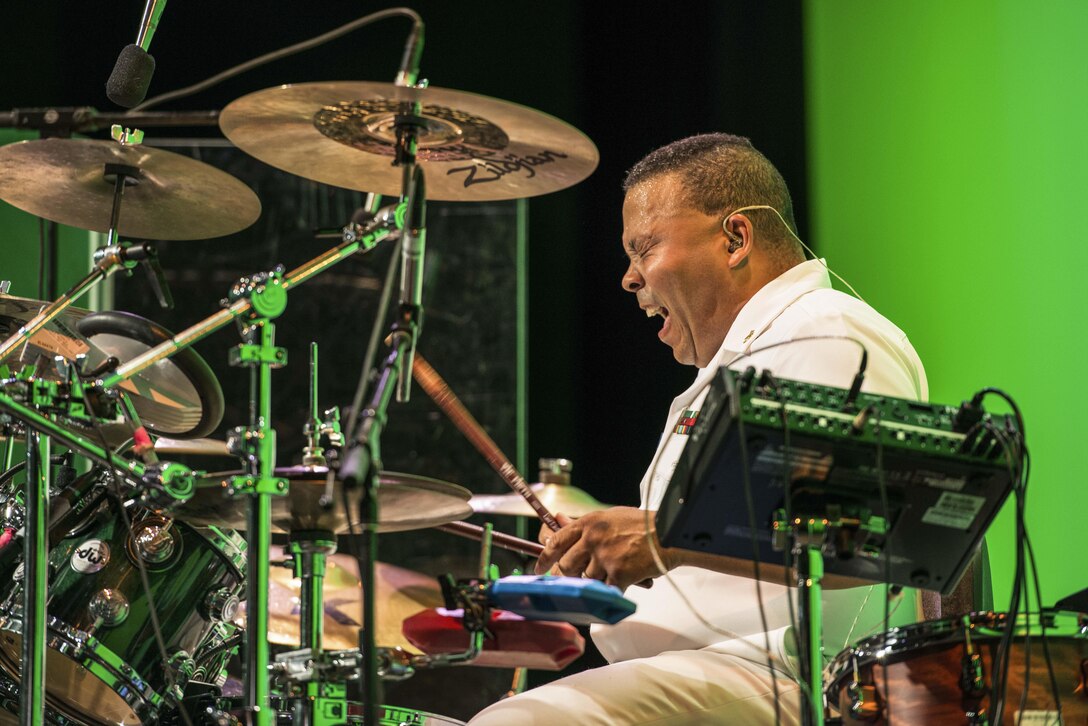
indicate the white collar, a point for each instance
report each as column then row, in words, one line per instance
column 756, row 316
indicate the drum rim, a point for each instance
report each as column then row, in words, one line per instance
column 917, row 637
column 79, row 647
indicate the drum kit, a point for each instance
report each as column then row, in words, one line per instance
column 134, row 580
column 133, row 583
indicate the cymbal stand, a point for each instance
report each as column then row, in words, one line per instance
column 259, row 353
column 108, row 259
column 35, row 581
column 324, row 700
column 355, row 239
column 809, row 536
column 260, row 298
column 363, row 462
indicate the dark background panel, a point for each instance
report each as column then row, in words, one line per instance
column 599, row 381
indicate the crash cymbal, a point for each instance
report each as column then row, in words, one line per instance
column 472, row 148
column 565, row 498
column 405, row 501
column 178, row 396
column 400, row 593
column 174, row 197
column 58, row 337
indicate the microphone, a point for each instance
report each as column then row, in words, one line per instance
column 127, row 85
column 413, row 242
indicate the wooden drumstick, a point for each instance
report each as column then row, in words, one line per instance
column 441, row 394
column 499, row 539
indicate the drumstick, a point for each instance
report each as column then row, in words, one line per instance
column 499, row 539
column 441, row 394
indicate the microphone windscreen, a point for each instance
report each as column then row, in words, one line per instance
column 128, row 84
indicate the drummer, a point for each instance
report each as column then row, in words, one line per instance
column 709, row 233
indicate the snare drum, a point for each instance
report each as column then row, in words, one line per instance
column 104, row 664
column 939, row 672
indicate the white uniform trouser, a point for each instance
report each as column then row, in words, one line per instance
column 686, row 687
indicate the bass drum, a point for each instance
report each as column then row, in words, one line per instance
column 104, row 665
column 939, row 672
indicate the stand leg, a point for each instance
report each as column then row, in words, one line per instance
column 810, row 570
column 372, row 685
column 35, row 580
column 260, row 357
column 325, row 703
column 257, row 653
column 310, row 551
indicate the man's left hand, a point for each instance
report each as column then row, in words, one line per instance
column 610, row 545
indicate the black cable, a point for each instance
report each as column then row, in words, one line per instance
column 114, row 488
column 372, row 345
column 1016, row 472
column 786, row 472
column 1055, row 691
column 882, row 486
column 1016, row 453
column 282, row 53
column 1027, row 654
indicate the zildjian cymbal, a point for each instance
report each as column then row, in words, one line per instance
column 173, row 197
column 472, row 148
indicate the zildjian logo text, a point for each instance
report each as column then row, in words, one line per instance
column 494, row 168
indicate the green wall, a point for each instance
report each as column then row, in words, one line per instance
column 949, row 166
column 19, row 247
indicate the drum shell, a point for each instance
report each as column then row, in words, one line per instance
column 925, row 664
column 179, row 585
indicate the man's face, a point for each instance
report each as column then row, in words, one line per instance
column 678, row 268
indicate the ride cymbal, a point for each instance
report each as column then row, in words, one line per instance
column 173, row 197
column 405, row 501
column 473, row 148
column 400, row 593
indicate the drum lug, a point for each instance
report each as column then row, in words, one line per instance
column 864, row 704
column 972, row 676
column 108, row 607
column 221, row 605
column 152, row 540
column 978, row 718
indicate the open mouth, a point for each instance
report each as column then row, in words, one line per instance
column 654, row 310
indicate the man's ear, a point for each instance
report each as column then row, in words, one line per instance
column 741, row 234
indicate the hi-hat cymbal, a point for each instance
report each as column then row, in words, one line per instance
column 400, row 593
column 565, row 498
column 405, row 501
column 472, row 148
column 174, row 197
